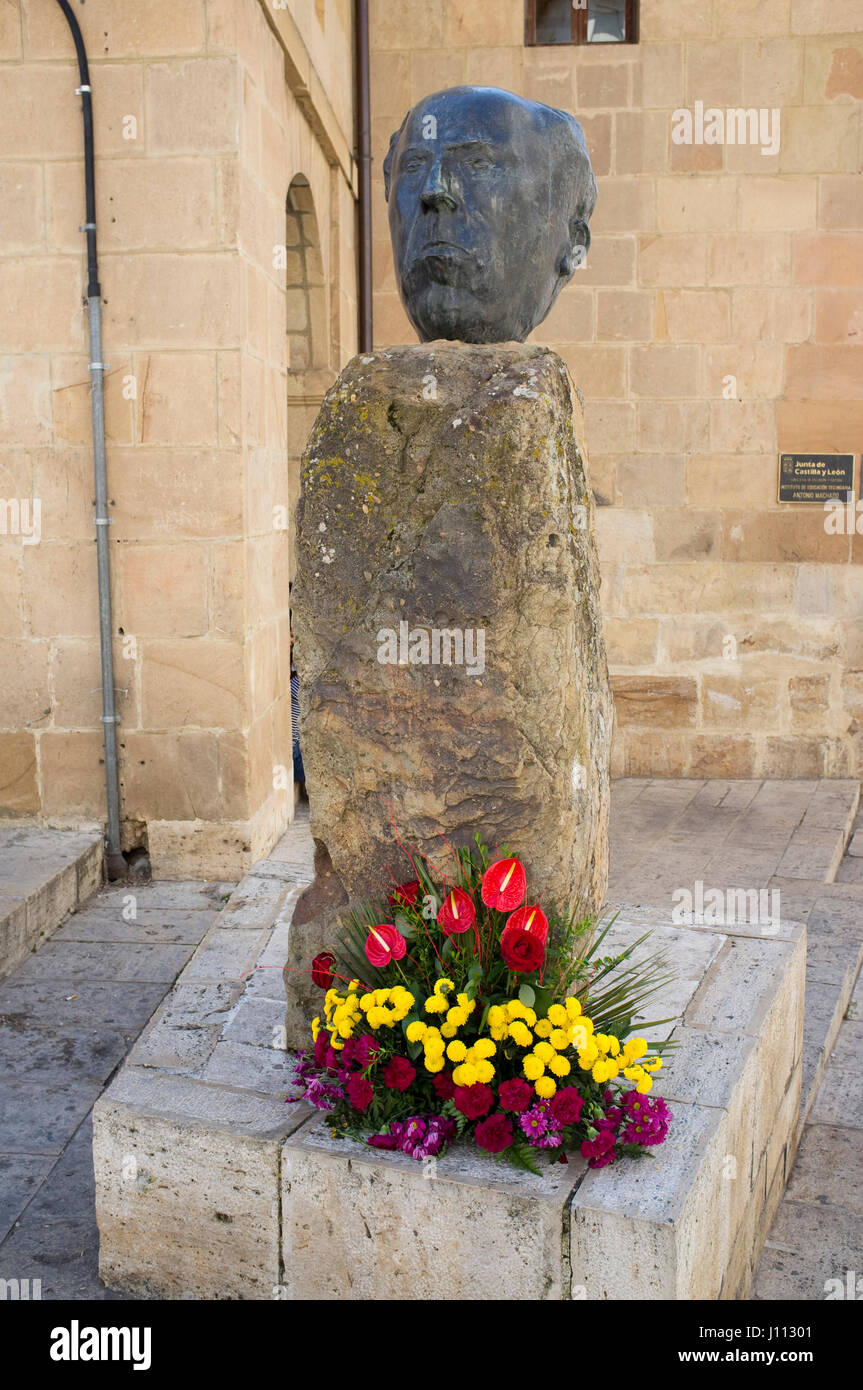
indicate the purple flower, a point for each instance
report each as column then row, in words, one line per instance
column 420, row 1136
column 541, row 1127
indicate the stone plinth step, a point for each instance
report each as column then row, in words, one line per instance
column 44, row 875
column 208, row 1185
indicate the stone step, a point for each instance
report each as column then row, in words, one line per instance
column 44, row 875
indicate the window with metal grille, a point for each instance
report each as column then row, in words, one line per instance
column 580, row 21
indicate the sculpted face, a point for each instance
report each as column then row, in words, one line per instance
column 489, row 200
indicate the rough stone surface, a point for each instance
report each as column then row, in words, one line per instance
column 462, row 1227
column 444, row 487
column 44, row 875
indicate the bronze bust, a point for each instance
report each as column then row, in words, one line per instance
column 489, row 197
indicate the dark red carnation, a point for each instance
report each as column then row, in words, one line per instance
column 504, row 885
column 322, row 969
column 443, row 1085
column 475, row 1100
column 566, row 1105
column 405, row 895
column 515, row 1095
column 399, row 1074
column 457, row 912
column 360, row 1091
column 494, row 1134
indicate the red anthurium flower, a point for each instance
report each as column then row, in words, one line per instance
column 405, row 895
column 504, row 885
column 385, row 943
column 522, row 942
column 322, row 969
column 457, row 912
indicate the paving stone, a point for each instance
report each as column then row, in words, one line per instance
column 264, row 1069
column 43, row 1122
column 20, row 1178
column 125, row 1006
column 46, row 1052
column 225, row 955
column 828, row 1169
column 151, row 926
column 733, row 995
column 175, row 895
column 705, row 1068
column 57, row 1240
column 811, row 854
column 254, row 903
column 850, row 871
column 80, row 961
column 855, row 847
column 256, row 1021
column 840, row 1097
column 833, row 955
column 847, row 1050
column 808, row 1245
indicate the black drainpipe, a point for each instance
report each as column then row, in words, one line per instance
column 364, row 160
column 115, row 864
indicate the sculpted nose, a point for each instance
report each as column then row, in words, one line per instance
column 436, row 191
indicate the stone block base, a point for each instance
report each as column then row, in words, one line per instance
column 209, row 1186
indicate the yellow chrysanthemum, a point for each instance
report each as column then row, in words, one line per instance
column 604, row 1069
column 533, row 1067
column 436, row 1004
column 542, row 1028
column 499, row 1034
column 644, row 1086
column 416, row 1031
column 484, row 1070
column 557, row 1016
column 434, row 1062
column 652, row 1063
column 573, row 1007
column 484, row 1047
column 560, row 1066
column 443, row 986
column 559, row 1039
column 457, row 1017
column 465, row 1075
column 544, row 1051
column 520, row 1033
column 316, row 1028
column 545, row 1087
column 634, row 1048
column 496, row 1016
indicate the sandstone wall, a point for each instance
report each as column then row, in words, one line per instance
column 708, row 262
column 202, row 125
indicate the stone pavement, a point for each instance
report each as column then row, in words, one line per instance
column 787, row 836
column 68, row 1016
column 73, row 1011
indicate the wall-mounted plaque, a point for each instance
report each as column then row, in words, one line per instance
column 815, row 477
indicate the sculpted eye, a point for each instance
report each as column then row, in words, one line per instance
column 479, row 161
column 411, row 164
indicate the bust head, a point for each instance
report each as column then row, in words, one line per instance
column 489, row 201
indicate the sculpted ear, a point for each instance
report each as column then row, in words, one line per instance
column 576, row 252
column 388, row 160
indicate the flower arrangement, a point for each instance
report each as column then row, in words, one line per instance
column 471, row 1014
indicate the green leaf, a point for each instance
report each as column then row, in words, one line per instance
column 527, row 995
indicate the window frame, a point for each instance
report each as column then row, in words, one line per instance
column 578, row 28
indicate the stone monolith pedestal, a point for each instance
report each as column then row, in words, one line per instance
column 448, row 634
